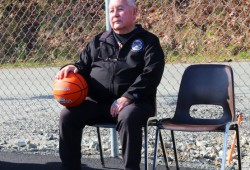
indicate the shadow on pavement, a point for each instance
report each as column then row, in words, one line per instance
column 29, row 166
column 22, row 161
column 46, row 166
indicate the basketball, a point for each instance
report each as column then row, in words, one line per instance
column 71, row 90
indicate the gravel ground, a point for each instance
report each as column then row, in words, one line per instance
column 29, row 121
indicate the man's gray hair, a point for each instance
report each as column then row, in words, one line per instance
column 132, row 3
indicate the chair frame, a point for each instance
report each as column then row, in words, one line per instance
column 152, row 121
column 226, row 127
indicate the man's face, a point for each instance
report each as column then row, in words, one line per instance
column 122, row 16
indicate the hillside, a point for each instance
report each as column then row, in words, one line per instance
column 49, row 31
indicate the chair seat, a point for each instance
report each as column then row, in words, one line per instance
column 105, row 125
column 191, row 128
column 169, row 124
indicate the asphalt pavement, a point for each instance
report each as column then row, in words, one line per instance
column 22, row 161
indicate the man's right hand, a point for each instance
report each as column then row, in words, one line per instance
column 65, row 70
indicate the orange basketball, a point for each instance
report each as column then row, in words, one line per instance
column 71, row 90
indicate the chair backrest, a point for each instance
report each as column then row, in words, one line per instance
column 207, row 84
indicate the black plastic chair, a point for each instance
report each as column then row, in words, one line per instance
column 203, row 84
column 151, row 122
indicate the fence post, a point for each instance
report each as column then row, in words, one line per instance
column 114, row 144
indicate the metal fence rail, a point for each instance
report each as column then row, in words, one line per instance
column 37, row 37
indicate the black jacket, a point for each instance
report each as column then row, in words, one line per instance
column 134, row 71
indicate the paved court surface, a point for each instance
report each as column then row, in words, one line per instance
column 21, row 161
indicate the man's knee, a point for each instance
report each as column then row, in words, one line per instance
column 65, row 115
column 68, row 117
column 129, row 118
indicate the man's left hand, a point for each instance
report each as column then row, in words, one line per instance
column 118, row 105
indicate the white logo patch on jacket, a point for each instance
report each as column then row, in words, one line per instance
column 137, row 45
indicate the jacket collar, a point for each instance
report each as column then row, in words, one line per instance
column 109, row 38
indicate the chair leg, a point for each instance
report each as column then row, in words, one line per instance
column 146, row 147
column 100, row 146
column 238, row 147
column 224, row 149
column 175, row 151
column 155, row 148
column 163, row 150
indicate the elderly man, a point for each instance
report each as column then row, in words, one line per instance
column 123, row 68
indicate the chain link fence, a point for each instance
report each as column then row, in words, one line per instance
column 37, row 37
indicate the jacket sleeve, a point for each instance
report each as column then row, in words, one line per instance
column 85, row 60
column 146, row 83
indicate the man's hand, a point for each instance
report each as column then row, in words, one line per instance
column 118, row 105
column 64, row 71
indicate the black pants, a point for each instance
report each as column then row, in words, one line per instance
column 129, row 125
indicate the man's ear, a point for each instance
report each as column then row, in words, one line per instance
column 135, row 12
